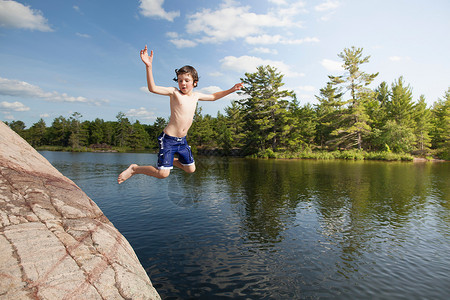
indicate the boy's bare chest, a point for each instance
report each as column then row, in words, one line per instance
column 183, row 103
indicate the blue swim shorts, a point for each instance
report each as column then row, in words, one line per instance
column 168, row 147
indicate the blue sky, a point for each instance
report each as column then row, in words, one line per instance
column 60, row 57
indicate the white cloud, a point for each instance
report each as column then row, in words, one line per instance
column 173, row 35
column 210, row 89
column 264, row 39
column 293, row 10
column 16, row 15
column 77, row 9
column 332, row 65
column 310, row 40
column 278, row 2
column 209, row 25
column 44, row 115
column 153, row 8
column 17, row 88
column 13, row 106
column 326, row 17
column 183, row 43
column 83, row 35
column 328, row 5
column 213, row 89
column 240, row 23
column 278, row 39
column 249, row 64
column 144, row 89
column 141, row 113
column 305, row 93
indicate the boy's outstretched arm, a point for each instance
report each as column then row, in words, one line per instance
column 152, row 87
column 221, row 94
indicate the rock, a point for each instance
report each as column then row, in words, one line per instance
column 55, row 243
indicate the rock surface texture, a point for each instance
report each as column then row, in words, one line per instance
column 55, row 243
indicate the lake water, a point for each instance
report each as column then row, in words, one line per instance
column 279, row 229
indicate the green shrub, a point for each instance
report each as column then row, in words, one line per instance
column 388, row 156
column 268, row 153
column 351, row 155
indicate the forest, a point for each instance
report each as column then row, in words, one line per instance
column 349, row 121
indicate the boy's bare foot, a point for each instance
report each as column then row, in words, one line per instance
column 126, row 174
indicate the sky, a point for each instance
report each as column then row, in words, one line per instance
column 61, row 57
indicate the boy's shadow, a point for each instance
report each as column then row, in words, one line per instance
column 180, row 189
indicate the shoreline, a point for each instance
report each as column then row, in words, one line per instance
column 320, row 155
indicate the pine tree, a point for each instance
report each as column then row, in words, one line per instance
column 37, row 133
column 400, row 113
column 201, row 133
column 59, row 132
column 78, row 132
column 398, row 137
column 109, row 129
column 266, row 114
column 155, row 130
column 18, row 127
column 123, row 129
column 376, row 109
column 422, row 125
column 96, row 132
column 138, row 138
column 328, row 113
column 355, row 120
column 400, row 107
column 235, row 124
column 441, row 126
column 224, row 138
column 303, row 129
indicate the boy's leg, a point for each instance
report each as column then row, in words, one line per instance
column 146, row 170
column 185, row 160
column 187, row 169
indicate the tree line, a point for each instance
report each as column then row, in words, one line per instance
column 269, row 120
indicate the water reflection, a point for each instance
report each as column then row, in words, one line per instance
column 243, row 228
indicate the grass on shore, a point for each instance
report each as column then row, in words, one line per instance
column 346, row 154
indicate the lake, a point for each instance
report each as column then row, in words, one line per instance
column 279, row 229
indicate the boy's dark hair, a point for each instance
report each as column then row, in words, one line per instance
column 187, row 70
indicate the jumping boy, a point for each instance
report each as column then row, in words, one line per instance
column 183, row 102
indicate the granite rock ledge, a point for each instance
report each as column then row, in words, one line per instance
column 55, row 242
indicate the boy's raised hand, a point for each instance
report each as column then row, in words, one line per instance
column 237, row 86
column 145, row 58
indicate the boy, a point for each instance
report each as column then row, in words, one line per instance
column 183, row 102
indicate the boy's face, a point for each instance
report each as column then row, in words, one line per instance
column 186, row 83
